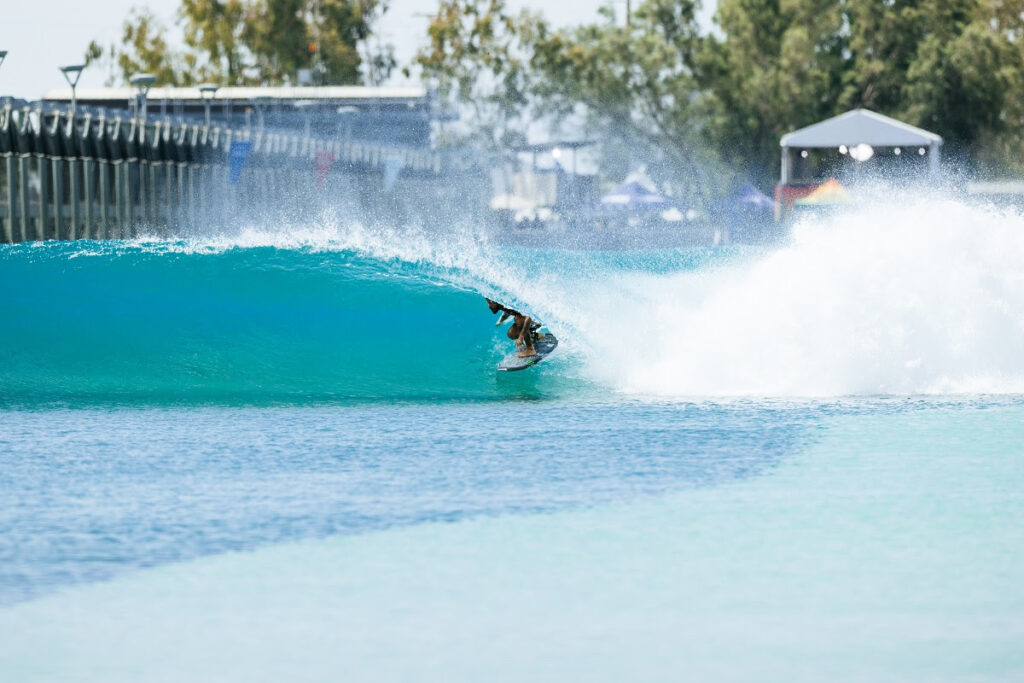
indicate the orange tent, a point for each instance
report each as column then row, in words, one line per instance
column 829, row 192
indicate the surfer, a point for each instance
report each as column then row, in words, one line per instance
column 522, row 330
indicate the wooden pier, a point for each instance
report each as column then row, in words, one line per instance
column 66, row 176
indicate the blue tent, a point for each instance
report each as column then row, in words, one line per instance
column 749, row 198
column 634, row 196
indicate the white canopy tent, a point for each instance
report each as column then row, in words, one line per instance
column 860, row 127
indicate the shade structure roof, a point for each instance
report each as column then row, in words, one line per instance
column 861, row 126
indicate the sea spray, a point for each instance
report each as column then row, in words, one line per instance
column 925, row 297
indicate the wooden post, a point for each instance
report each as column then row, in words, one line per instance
column 88, row 190
column 180, row 172
column 128, row 227
column 192, row 204
column 26, row 209
column 74, row 187
column 59, row 229
column 12, row 199
column 153, row 206
column 144, row 217
column 169, row 192
column 43, row 166
column 104, row 173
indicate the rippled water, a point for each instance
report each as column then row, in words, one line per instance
column 95, row 493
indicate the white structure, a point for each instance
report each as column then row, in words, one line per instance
column 859, row 132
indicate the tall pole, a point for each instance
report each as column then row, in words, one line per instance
column 143, row 82
column 71, row 74
column 3, row 56
column 207, row 91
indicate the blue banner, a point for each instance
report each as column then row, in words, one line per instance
column 237, row 155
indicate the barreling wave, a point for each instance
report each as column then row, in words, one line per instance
column 243, row 321
column 917, row 298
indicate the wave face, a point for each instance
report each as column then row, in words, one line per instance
column 207, row 322
column 924, row 298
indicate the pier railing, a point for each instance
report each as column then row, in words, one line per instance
column 65, row 176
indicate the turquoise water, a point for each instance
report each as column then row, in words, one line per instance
column 260, row 457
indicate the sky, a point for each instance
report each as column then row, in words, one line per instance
column 42, row 35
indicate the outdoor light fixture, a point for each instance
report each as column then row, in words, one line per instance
column 803, row 154
column 862, row 152
column 843, row 149
column 897, row 151
column 556, row 153
column 71, row 74
column 207, row 91
column 143, row 82
column 920, row 151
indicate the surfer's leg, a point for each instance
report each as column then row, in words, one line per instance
column 526, row 339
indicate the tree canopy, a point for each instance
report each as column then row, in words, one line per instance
column 769, row 66
column 698, row 97
column 254, row 42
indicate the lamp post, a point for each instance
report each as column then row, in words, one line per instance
column 71, row 74
column 143, row 82
column 3, row 55
column 207, row 91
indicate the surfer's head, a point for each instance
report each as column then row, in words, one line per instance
column 493, row 305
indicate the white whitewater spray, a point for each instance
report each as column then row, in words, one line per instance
column 922, row 298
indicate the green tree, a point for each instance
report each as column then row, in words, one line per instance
column 251, row 42
column 276, row 33
column 951, row 67
column 777, row 66
column 476, row 55
column 636, row 81
column 213, row 31
column 144, row 49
